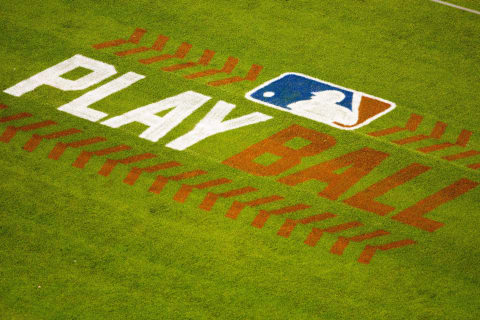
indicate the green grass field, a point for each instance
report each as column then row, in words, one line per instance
column 76, row 244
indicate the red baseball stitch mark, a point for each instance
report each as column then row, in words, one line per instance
column 252, row 75
column 290, row 224
column 342, row 243
column 135, row 38
column 369, row 251
column 412, row 125
column 186, row 189
column 14, row 117
column 474, row 166
column 181, row 52
column 316, row 233
column 85, row 156
column 61, row 147
column 110, row 164
column 238, row 206
column 462, row 155
column 227, row 68
column 204, row 60
column 135, row 173
column 462, row 141
column 161, row 181
column 157, row 46
column 437, row 133
column 211, row 198
column 11, row 131
column 264, row 215
column 35, row 140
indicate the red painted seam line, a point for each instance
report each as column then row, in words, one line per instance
column 35, row 140
column 181, row 52
column 290, row 224
column 11, row 131
column 316, row 233
column 464, row 138
column 342, row 243
column 85, row 156
column 238, row 206
column 110, row 164
column 60, row 147
column 3, row 106
column 135, row 173
column 228, row 67
column 161, row 181
column 186, row 175
column 462, row 141
column 186, row 189
column 203, row 61
column 263, row 216
column 252, row 75
column 462, row 155
column 134, row 38
column 211, row 198
column 437, row 133
column 436, row 147
column 412, row 125
column 369, row 251
column 15, row 117
column 474, row 166
column 157, row 46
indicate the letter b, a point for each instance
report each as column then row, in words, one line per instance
column 275, row 144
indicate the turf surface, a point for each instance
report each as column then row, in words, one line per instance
column 77, row 245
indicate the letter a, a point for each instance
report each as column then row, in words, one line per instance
column 182, row 106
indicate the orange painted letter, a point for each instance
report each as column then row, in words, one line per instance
column 360, row 163
column 275, row 145
column 414, row 214
column 365, row 199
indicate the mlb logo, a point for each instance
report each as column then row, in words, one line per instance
column 320, row 101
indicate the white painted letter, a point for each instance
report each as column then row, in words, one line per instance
column 183, row 105
column 52, row 76
column 212, row 124
column 79, row 106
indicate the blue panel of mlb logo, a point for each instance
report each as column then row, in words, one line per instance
column 320, row 101
column 293, row 88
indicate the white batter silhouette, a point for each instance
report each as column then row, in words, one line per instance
column 323, row 107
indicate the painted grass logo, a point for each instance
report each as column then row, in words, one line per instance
column 320, row 101
column 292, row 92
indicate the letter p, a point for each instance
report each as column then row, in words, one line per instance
column 52, row 76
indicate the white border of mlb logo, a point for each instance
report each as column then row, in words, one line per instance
column 355, row 92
